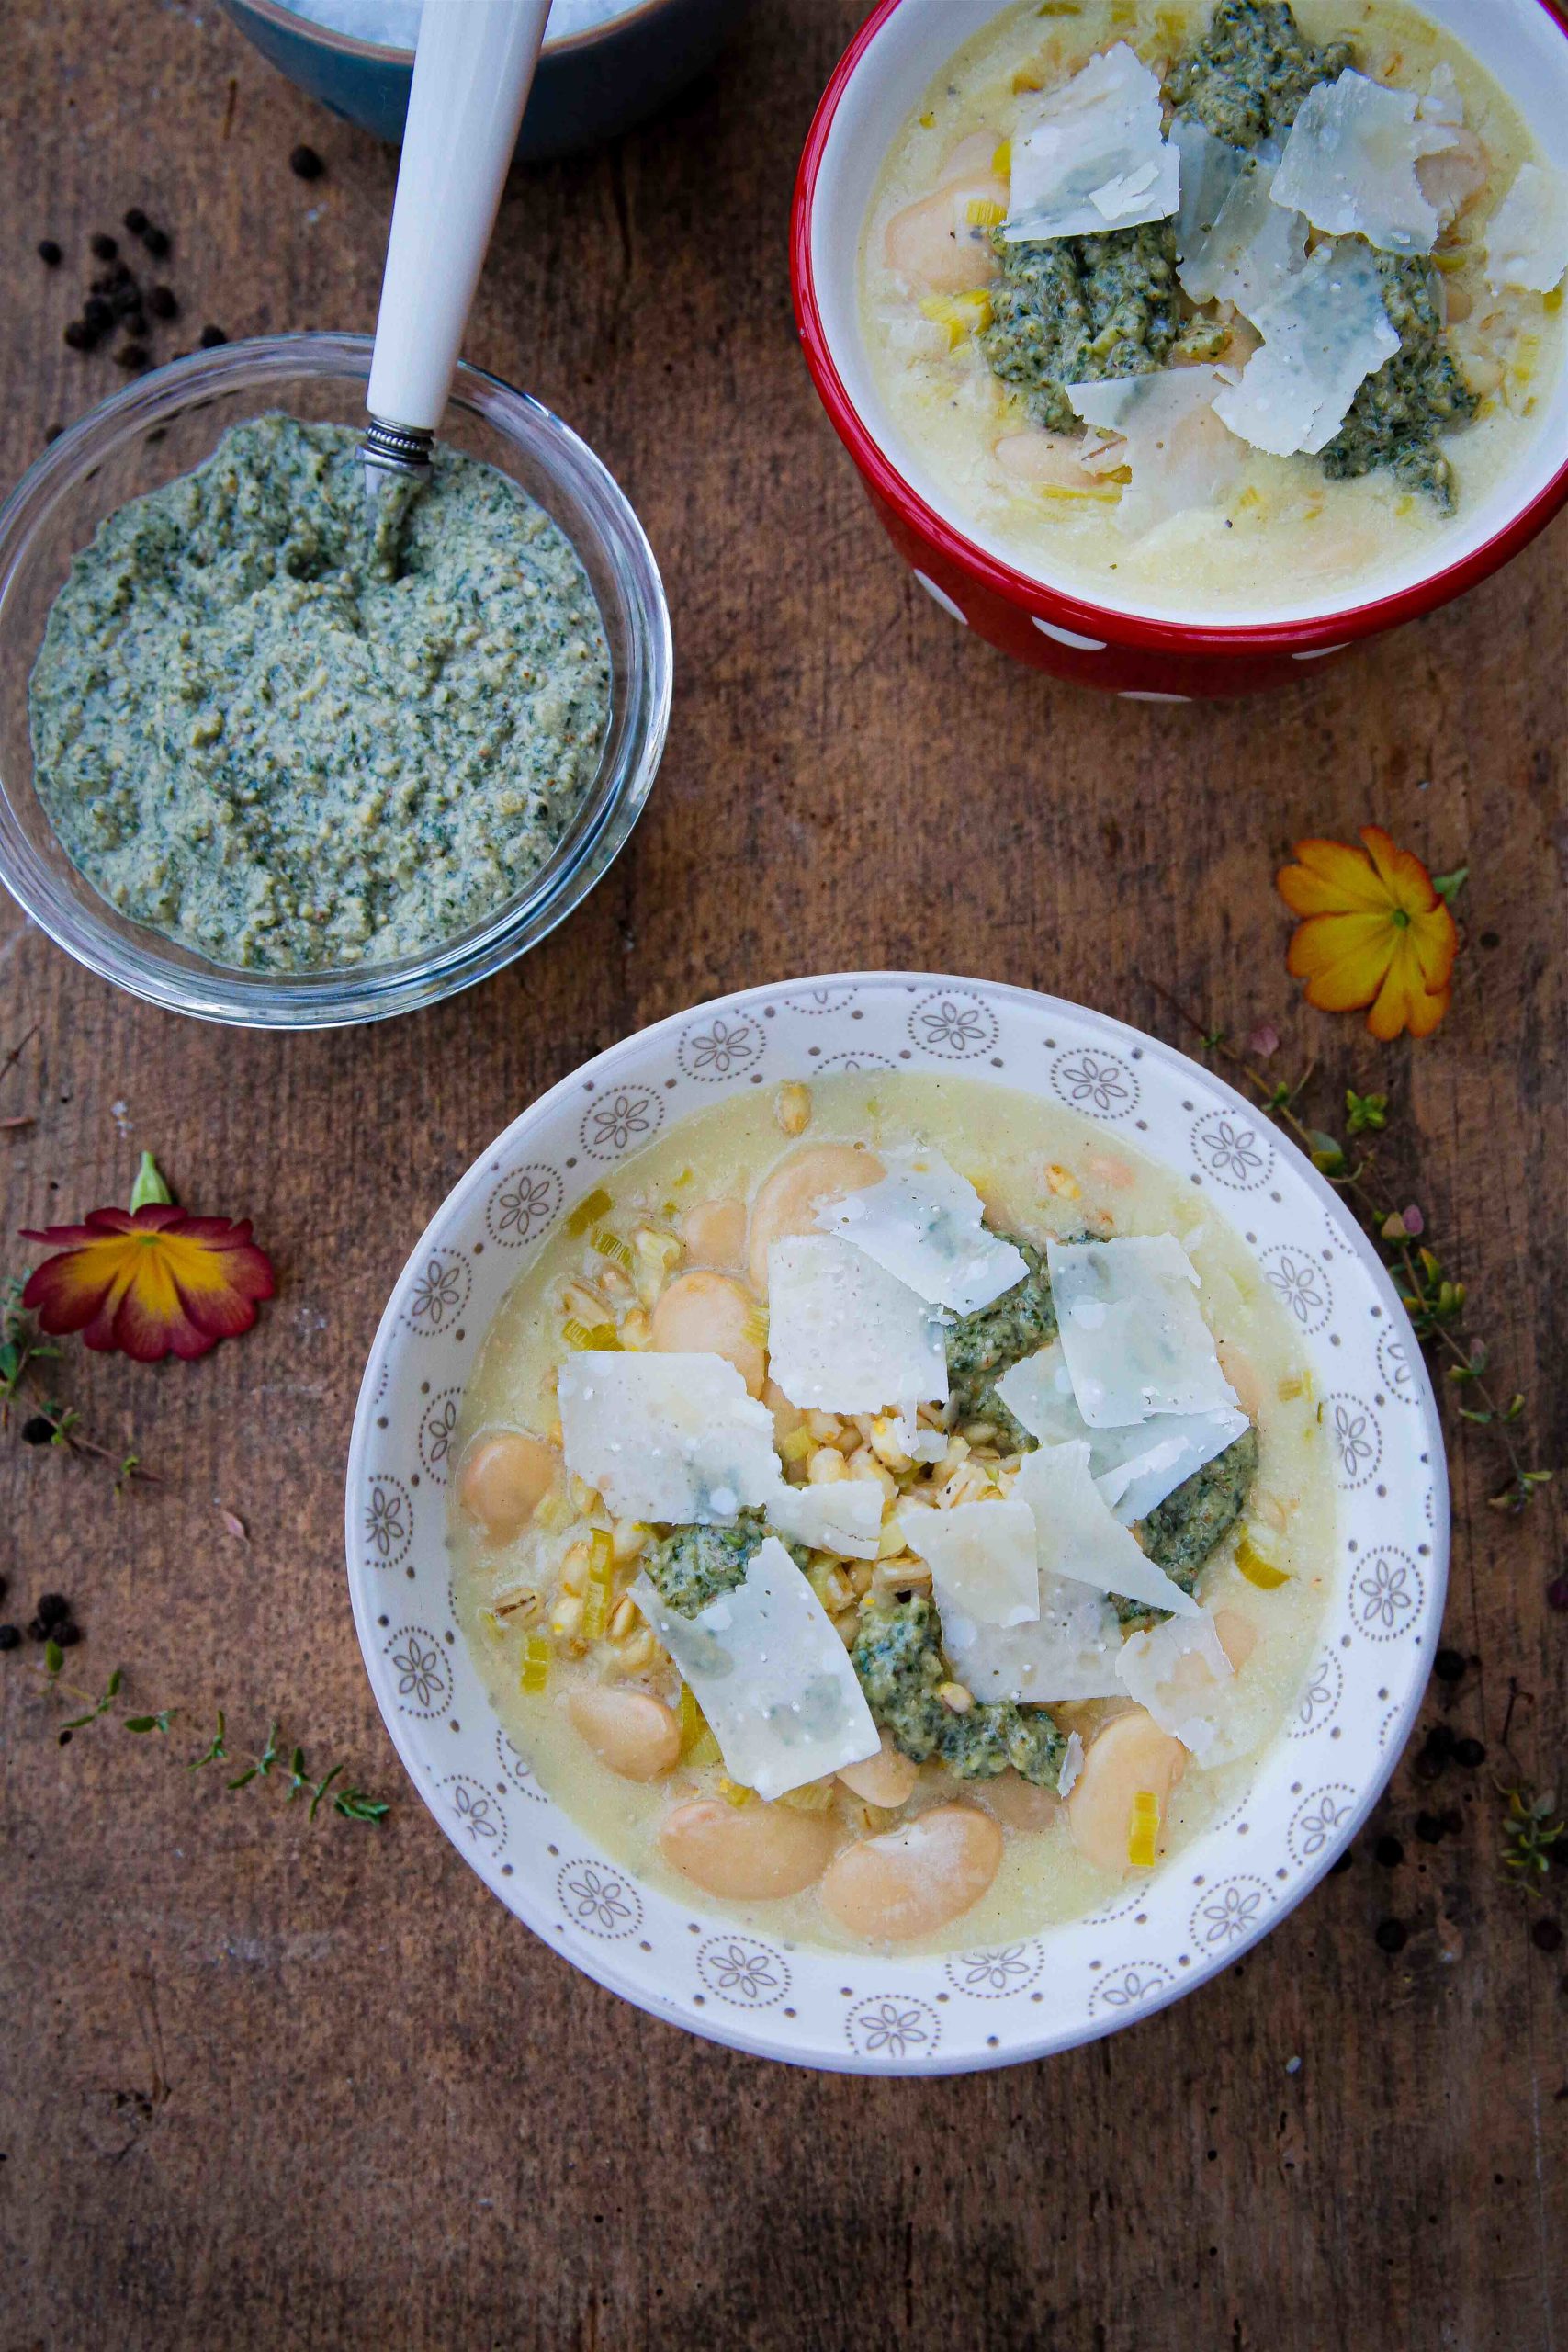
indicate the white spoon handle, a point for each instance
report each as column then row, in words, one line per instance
column 472, row 72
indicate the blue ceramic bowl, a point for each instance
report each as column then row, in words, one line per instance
column 588, row 87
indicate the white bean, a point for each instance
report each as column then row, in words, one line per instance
column 885, row 1779
column 1237, row 1636
column 788, row 1198
column 504, row 1477
column 637, row 1736
column 715, row 1232
column 1127, row 1754
column 915, row 1881
column 1045, row 461
column 746, row 1853
column 1019, row 1805
column 933, row 244
column 707, row 1314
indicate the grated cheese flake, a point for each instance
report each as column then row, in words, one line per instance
column 1072, row 1765
column 1132, row 1331
column 844, row 1516
column 1175, row 1670
column 924, row 1223
column 769, row 1675
column 1323, row 335
column 1093, row 155
column 1077, row 1537
column 846, row 1336
column 1350, row 163
column 983, row 1562
column 1254, row 246
column 1527, row 238
column 674, row 1439
column 1135, row 1467
column 1180, row 454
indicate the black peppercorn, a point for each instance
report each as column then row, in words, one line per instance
column 52, row 1608
column 39, row 1429
column 97, row 312
column 1546, row 1935
column 132, row 356
column 48, row 253
column 305, row 165
column 67, row 1635
column 1340, row 1862
column 104, row 246
column 1448, row 1665
column 1389, row 1851
column 80, row 335
column 136, row 221
column 157, row 241
column 1429, row 1829
column 1470, row 1752
column 161, row 303
column 210, row 337
column 1391, row 1935
column 10, row 1637
column 1557, row 1593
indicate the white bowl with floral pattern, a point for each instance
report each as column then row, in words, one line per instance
column 908, row 2014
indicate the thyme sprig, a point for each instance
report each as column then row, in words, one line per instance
column 1432, row 1298
column 292, row 1769
column 48, row 1421
column 1531, row 1827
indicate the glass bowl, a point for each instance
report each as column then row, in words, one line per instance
column 168, row 423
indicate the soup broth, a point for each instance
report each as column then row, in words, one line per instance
column 1230, row 529
column 673, row 1252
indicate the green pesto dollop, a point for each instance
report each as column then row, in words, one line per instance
column 984, row 1345
column 1072, row 309
column 1398, row 414
column 897, row 1657
column 1247, row 76
column 692, row 1565
column 294, row 737
column 1180, row 1533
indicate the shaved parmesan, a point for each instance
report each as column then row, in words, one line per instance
column 1350, row 163
column 1210, row 169
column 1133, row 1333
column 1135, row 1468
column 916, row 1442
column 1069, row 1651
column 1072, row 1765
column 1442, row 102
column 983, row 1562
column 844, row 1516
column 1254, row 247
column 1323, row 335
column 1527, row 238
column 924, row 1223
column 1077, row 1537
column 771, row 1675
column 1179, row 453
column 1174, row 1670
column 666, row 1438
column 1094, row 155
column 846, row 1336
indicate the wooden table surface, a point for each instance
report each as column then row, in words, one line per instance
column 267, row 2085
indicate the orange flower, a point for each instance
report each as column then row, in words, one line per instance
column 1378, row 931
column 150, row 1279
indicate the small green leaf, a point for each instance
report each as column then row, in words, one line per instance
column 149, row 1189
column 1367, row 1113
column 1448, row 886
column 54, row 1658
column 1327, row 1156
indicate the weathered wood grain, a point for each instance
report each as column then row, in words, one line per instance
column 260, row 2086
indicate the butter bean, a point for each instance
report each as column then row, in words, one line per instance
column 1128, row 1752
column 1017, row 1803
column 637, row 1736
column 932, row 243
column 715, row 1232
column 753, row 1852
column 707, row 1314
column 886, row 1778
column 915, row 1881
column 1237, row 1636
column 788, row 1198
column 506, row 1475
